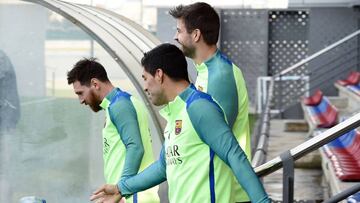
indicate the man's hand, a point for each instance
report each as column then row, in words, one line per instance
column 106, row 194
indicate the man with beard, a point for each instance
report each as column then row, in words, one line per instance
column 126, row 138
column 197, row 32
column 200, row 152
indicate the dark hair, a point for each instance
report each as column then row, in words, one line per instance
column 169, row 58
column 200, row 16
column 86, row 69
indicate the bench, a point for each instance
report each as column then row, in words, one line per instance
column 352, row 79
column 352, row 83
column 352, row 94
column 354, row 88
column 319, row 112
column 340, row 162
column 344, row 154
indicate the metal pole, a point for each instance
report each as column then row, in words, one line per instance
column 288, row 177
column 281, row 98
column 344, row 194
column 53, row 83
column 92, row 52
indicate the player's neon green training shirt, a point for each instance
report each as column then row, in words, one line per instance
column 223, row 80
column 127, row 146
column 199, row 155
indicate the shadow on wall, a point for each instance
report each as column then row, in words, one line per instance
column 9, row 97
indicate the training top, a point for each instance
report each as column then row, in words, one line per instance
column 127, row 146
column 224, row 81
column 199, row 155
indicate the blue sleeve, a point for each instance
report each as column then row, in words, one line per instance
column 222, row 87
column 221, row 140
column 124, row 117
column 151, row 176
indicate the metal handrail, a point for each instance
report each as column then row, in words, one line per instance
column 344, row 194
column 276, row 163
column 311, row 145
column 321, row 52
column 260, row 151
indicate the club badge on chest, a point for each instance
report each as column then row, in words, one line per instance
column 178, row 126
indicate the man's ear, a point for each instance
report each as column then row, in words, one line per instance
column 94, row 83
column 196, row 34
column 159, row 75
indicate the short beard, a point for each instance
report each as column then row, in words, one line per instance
column 95, row 104
column 161, row 100
column 95, row 108
column 188, row 51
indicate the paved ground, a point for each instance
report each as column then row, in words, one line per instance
column 307, row 180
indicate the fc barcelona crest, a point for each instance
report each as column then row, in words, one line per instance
column 178, row 126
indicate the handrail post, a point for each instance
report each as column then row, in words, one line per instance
column 288, row 177
column 358, row 51
column 281, row 97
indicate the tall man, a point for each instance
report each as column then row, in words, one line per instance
column 200, row 152
column 126, row 138
column 198, row 32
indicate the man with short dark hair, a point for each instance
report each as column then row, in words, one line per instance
column 200, row 151
column 197, row 32
column 126, row 138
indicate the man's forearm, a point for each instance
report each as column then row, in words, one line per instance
column 150, row 177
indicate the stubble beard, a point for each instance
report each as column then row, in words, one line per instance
column 95, row 103
column 188, row 52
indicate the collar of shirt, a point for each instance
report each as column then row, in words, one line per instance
column 106, row 101
column 203, row 66
column 175, row 106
